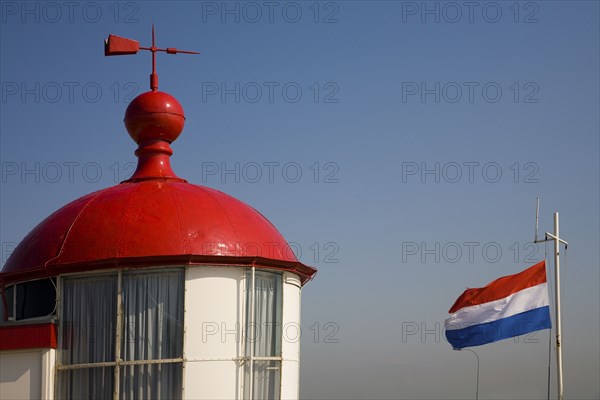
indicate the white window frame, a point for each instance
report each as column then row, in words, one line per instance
column 251, row 358
column 118, row 363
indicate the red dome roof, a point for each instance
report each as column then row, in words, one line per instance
column 152, row 222
column 153, row 219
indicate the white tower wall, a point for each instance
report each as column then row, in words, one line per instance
column 27, row 374
column 213, row 306
column 290, row 343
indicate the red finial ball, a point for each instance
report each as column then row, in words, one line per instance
column 154, row 116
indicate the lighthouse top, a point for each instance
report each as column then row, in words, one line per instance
column 154, row 218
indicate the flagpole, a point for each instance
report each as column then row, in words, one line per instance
column 549, row 359
column 557, row 241
column 559, row 369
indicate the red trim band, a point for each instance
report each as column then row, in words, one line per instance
column 305, row 272
column 21, row 337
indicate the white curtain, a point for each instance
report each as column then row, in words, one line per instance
column 267, row 303
column 86, row 383
column 267, row 375
column 152, row 329
column 89, row 313
column 264, row 336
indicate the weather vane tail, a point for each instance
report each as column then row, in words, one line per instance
column 120, row 46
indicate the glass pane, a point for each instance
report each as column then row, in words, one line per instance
column 88, row 317
column 86, row 383
column 267, row 380
column 9, row 295
column 36, row 298
column 265, row 333
column 152, row 315
column 151, row 381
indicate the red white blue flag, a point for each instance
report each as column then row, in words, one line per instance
column 509, row 306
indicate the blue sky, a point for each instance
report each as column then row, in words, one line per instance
column 399, row 146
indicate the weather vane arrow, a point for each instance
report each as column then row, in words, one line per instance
column 120, row 46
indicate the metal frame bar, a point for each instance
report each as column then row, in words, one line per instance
column 59, row 339
column 118, row 325
column 274, row 358
column 119, row 363
column 252, row 323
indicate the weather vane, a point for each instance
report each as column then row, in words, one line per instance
column 120, row 46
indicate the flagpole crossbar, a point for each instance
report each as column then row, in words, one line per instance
column 553, row 238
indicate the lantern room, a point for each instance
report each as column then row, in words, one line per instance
column 153, row 288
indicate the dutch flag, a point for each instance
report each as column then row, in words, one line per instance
column 509, row 306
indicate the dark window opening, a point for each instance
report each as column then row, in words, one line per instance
column 36, row 298
column 33, row 299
